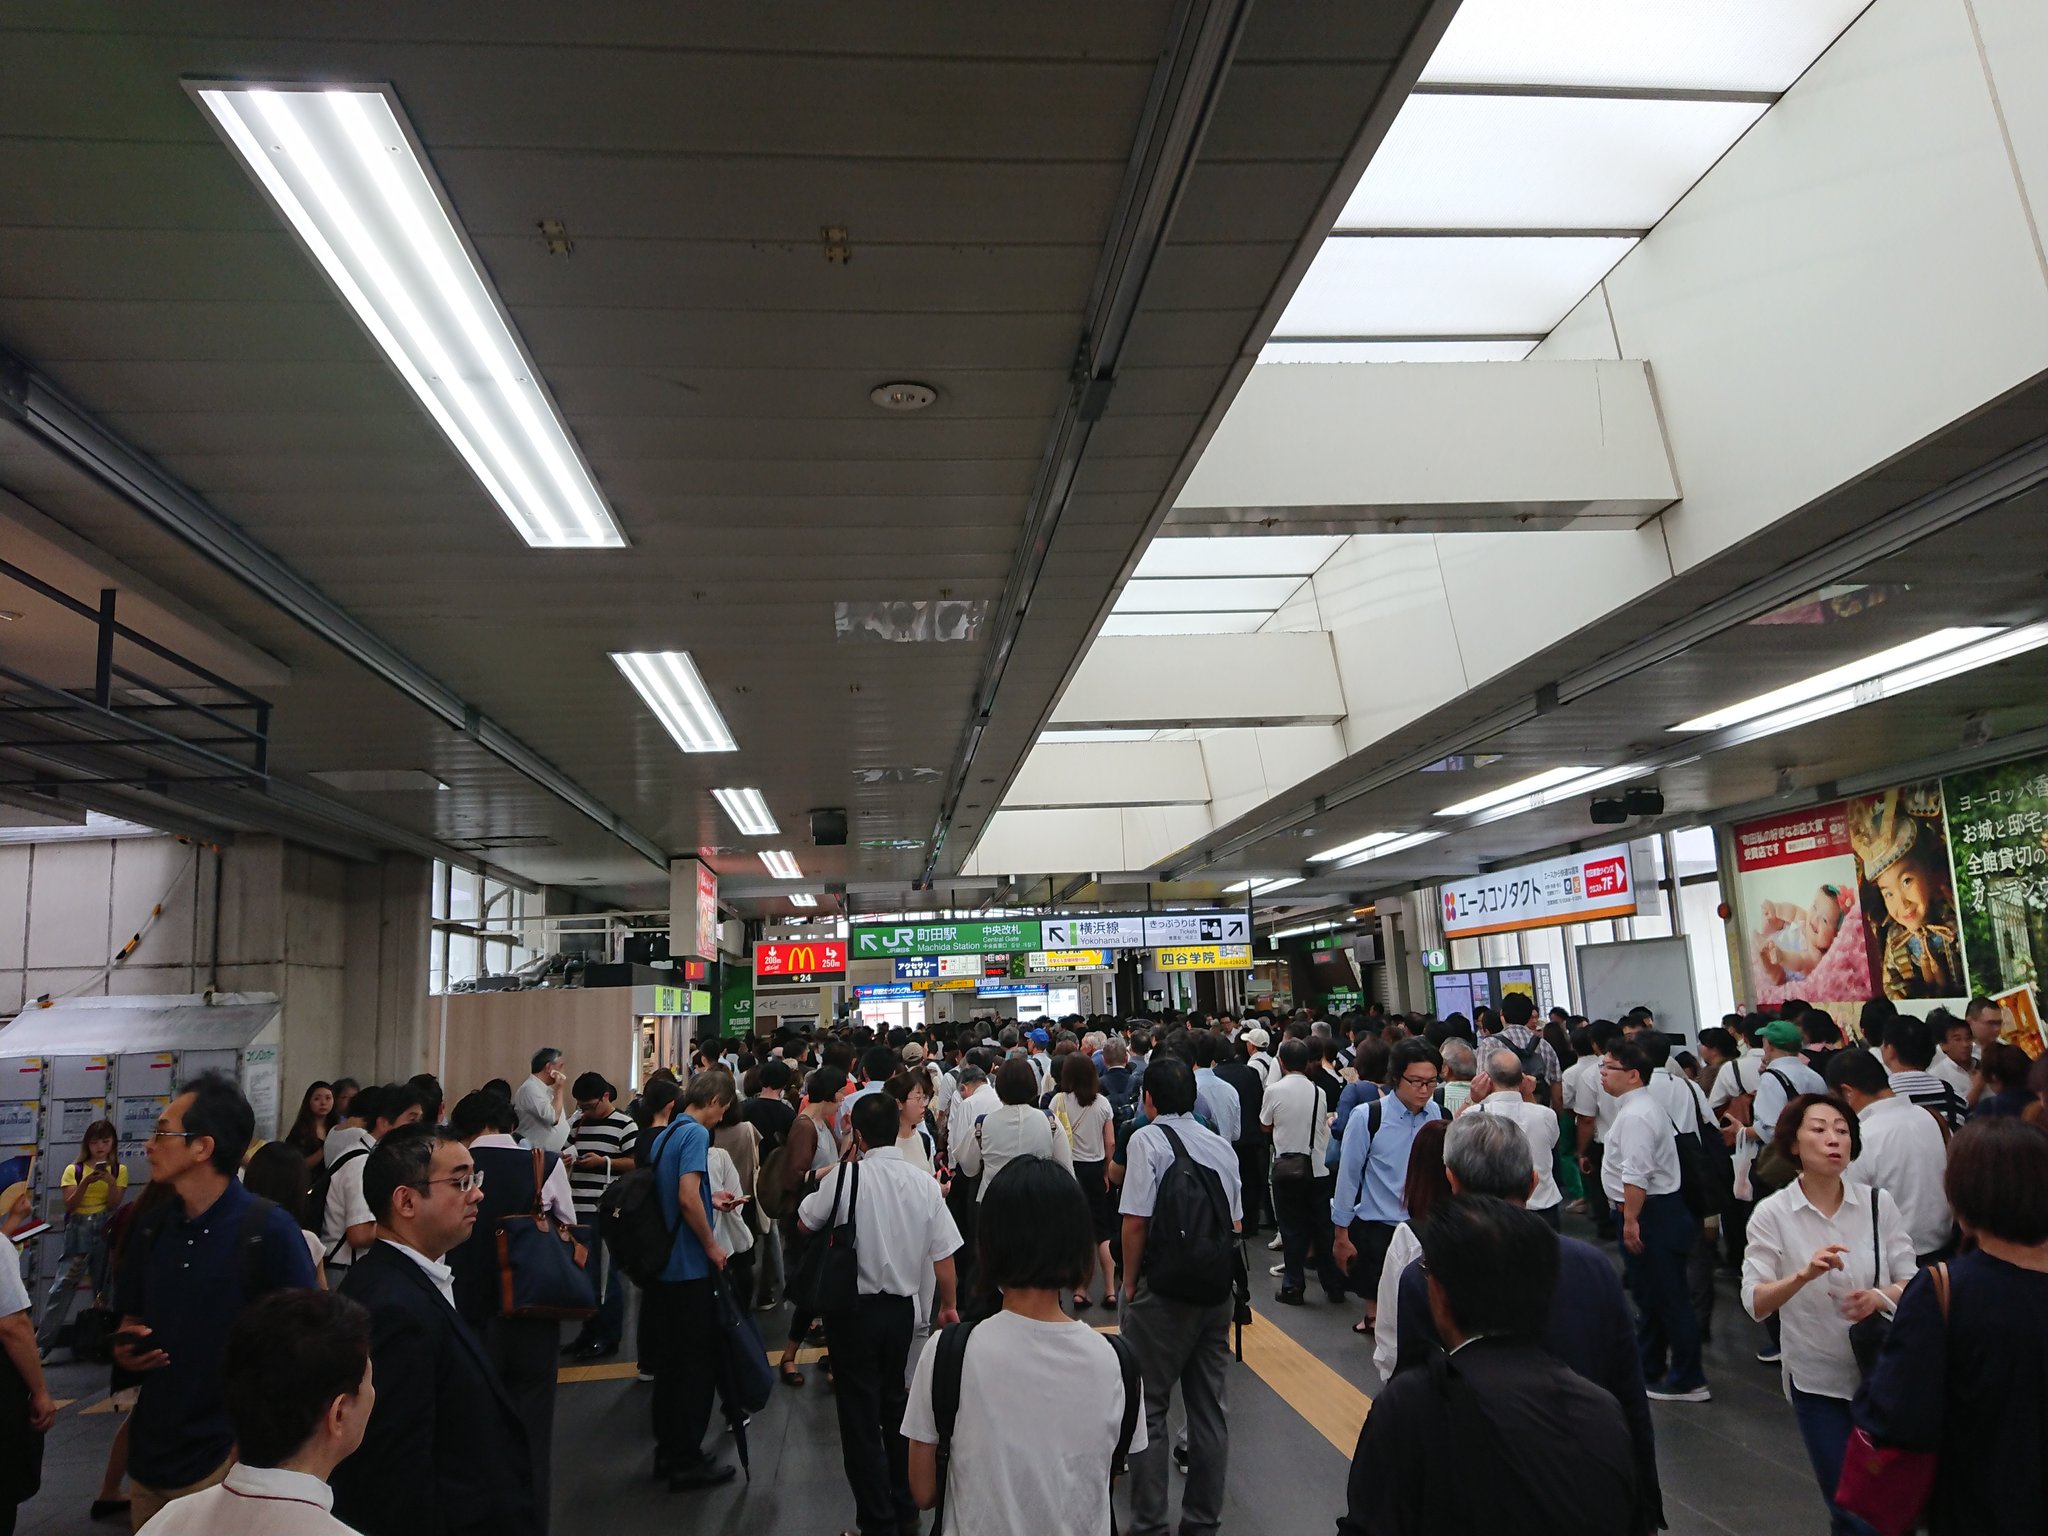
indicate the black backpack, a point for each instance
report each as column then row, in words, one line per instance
column 316, row 1199
column 630, row 1219
column 947, row 1370
column 1189, row 1245
column 1125, row 1094
column 1706, row 1168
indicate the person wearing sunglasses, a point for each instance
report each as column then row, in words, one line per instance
column 446, row 1450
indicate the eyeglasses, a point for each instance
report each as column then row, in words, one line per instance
column 1420, row 1082
column 165, row 1133
column 465, row 1182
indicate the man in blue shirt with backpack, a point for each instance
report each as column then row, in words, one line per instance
column 1372, row 1172
column 1181, row 1212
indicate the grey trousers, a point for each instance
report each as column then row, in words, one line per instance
column 1186, row 1346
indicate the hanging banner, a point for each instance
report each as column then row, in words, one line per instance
column 1578, row 888
column 736, row 1003
column 1070, row 960
column 887, row 941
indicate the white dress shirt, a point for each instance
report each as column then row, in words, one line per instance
column 1905, row 1155
column 253, row 1501
column 1642, row 1148
column 540, row 1124
column 345, row 1205
column 1771, row 1097
column 1735, row 1078
column 903, row 1227
column 1784, row 1232
column 556, row 1195
column 1539, row 1127
column 1955, row 1076
column 1298, row 1111
column 1584, row 1096
column 442, row 1276
column 1403, row 1249
column 1674, row 1090
column 1006, row 1133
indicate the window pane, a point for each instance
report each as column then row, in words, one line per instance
column 462, row 958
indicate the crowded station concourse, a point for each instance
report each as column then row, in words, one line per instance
column 1174, row 767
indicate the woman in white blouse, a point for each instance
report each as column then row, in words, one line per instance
column 1824, row 1254
column 1019, row 1128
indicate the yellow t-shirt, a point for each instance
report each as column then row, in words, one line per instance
column 96, row 1199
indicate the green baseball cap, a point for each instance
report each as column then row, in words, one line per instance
column 1784, row 1036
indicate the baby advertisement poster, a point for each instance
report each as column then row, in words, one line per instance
column 1803, row 933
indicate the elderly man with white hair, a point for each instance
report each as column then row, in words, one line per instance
column 1461, row 1066
column 1505, row 1089
column 1589, row 1327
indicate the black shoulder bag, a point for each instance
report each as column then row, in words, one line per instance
column 1299, row 1167
column 829, row 1280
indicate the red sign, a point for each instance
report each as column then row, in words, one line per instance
column 801, row 961
column 1797, row 837
column 696, row 970
column 1607, row 877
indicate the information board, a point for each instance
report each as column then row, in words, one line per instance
column 1578, row 888
column 887, row 941
column 1204, row 957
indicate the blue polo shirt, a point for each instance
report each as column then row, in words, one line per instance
column 1372, row 1174
column 186, row 1287
column 685, row 1148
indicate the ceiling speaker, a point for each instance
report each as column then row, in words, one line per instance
column 828, row 828
column 1609, row 813
column 1643, row 802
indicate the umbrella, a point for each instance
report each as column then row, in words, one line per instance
column 740, row 1361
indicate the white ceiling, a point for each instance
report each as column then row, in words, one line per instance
column 710, row 355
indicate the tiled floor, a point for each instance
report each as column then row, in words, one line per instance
column 1732, row 1467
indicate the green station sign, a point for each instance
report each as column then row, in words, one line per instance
column 891, row 941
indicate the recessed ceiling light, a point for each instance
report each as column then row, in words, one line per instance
column 800, row 899
column 748, row 810
column 344, row 169
column 674, row 689
column 903, row 397
column 1387, row 850
column 1261, row 887
column 1848, row 675
column 782, row 864
column 1550, row 778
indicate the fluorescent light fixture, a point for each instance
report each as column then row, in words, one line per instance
column 1237, row 555
column 344, row 169
column 1548, row 779
column 1356, row 845
column 1724, row 45
column 1220, row 594
column 1393, row 286
column 749, row 812
column 802, row 899
column 1541, row 162
column 1820, row 684
column 1186, row 623
column 1303, row 351
column 782, row 864
column 1999, row 647
column 674, row 689
column 1262, row 887
column 1387, row 850
column 1057, row 737
column 1305, row 928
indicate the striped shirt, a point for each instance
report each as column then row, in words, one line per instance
column 611, row 1136
column 1930, row 1092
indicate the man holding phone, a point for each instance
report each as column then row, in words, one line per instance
column 543, row 1122
column 601, row 1140
column 190, row 1268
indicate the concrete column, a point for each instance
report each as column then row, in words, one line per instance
column 389, row 1026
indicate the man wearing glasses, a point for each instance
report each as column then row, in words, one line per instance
column 190, row 1269
column 1372, row 1171
column 446, row 1450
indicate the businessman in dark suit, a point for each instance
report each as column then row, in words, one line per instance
column 1584, row 1323
column 445, row 1454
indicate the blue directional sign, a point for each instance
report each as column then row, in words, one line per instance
column 918, row 968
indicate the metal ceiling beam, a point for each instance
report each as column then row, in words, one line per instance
column 48, row 416
column 1185, row 88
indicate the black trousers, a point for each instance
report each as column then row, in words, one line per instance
column 1253, row 1158
column 1303, row 1207
column 683, row 1320
column 870, row 1353
column 524, row 1350
column 1604, row 1225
